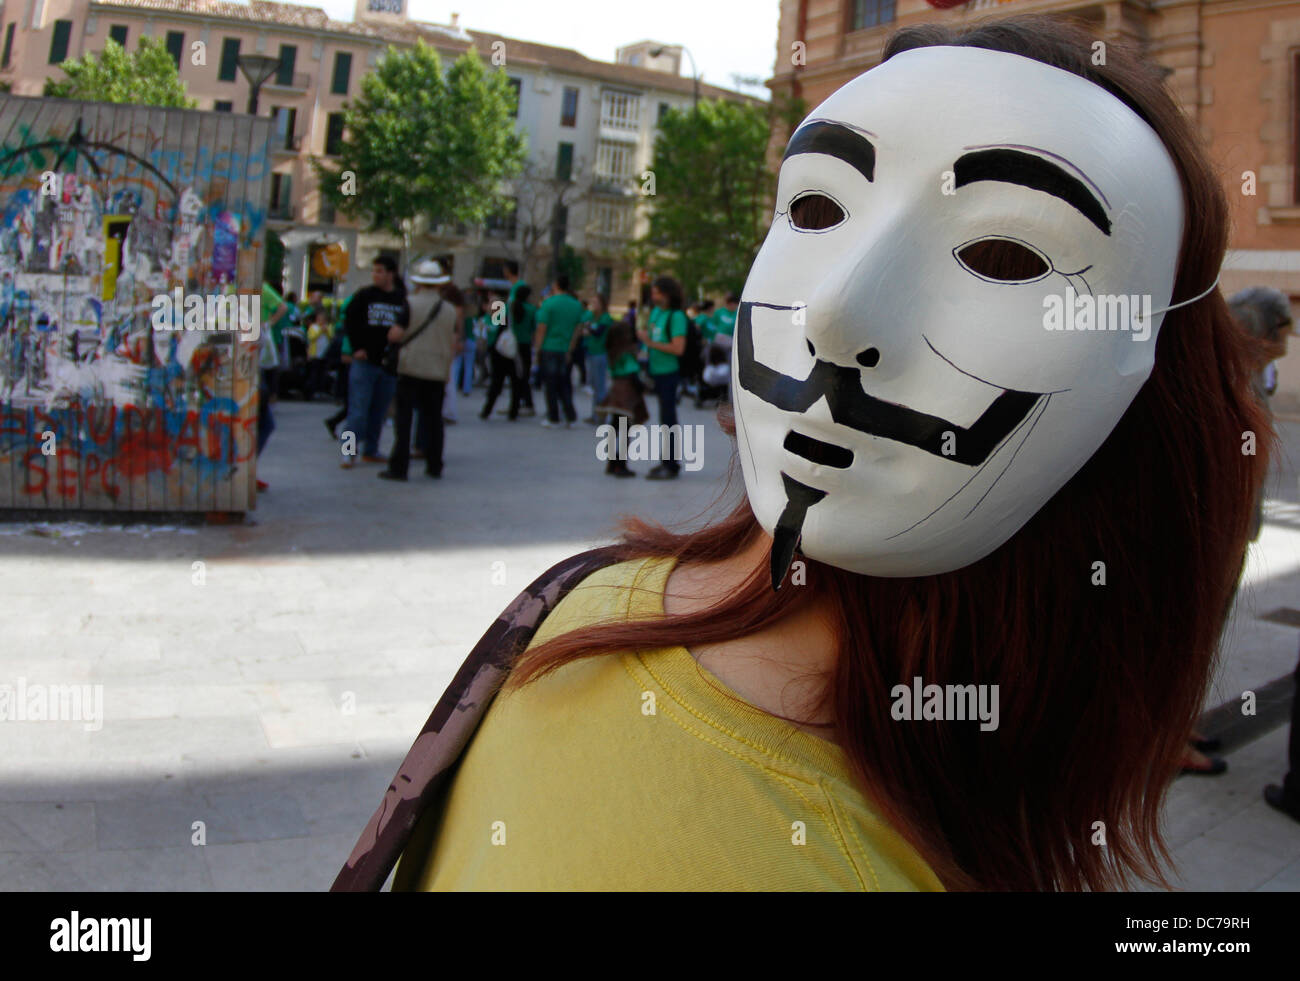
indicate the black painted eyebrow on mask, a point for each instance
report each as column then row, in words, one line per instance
column 1034, row 172
column 836, row 140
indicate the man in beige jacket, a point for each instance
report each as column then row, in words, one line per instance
column 429, row 342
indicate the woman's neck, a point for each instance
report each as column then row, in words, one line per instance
column 785, row 668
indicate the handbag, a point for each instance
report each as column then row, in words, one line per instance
column 394, row 351
column 506, row 344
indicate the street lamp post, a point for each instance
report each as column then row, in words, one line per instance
column 257, row 69
column 695, row 73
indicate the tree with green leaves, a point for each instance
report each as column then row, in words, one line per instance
column 146, row 77
column 709, row 195
column 426, row 145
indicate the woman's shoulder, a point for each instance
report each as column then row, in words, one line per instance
column 632, row 588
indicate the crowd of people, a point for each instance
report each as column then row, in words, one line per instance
column 412, row 351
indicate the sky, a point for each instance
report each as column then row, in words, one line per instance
column 725, row 36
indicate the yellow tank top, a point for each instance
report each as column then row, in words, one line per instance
column 643, row 771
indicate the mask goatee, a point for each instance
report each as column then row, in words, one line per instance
column 789, row 527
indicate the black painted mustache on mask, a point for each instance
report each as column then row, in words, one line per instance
column 851, row 406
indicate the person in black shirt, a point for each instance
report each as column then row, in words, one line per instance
column 371, row 312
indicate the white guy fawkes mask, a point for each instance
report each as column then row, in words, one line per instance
column 901, row 408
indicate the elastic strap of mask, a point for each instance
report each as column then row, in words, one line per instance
column 1199, row 296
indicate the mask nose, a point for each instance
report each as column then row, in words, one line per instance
column 868, row 358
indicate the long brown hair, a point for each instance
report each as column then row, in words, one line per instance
column 1100, row 684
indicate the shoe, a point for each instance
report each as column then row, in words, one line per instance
column 502, row 412
column 331, row 428
column 435, row 474
column 569, row 424
column 449, row 421
column 527, row 410
column 1209, row 745
column 349, row 463
column 1275, row 797
column 263, row 485
column 547, row 424
column 367, row 458
column 417, row 454
column 662, row 472
column 483, row 415
column 625, row 472
column 1217, row 766
column 389, row 475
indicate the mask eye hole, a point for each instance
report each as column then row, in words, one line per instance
column 815, row 212
column 1003, row 260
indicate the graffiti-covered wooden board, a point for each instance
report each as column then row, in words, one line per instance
column 105, row 208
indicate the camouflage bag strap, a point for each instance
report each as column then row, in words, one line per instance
column 447, row 732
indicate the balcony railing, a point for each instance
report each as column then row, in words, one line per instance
column 299, row 83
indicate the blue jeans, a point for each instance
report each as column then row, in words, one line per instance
column 370, row 391
column 554, row 367
column 666, row 392
column 463, row 368
column 265, row 421
column 598, row 378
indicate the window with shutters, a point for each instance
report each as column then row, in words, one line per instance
column 176, row 46
column 59, row 41
column 334, row 134
column 569, row 110
column 229, row 69
column 620, row 110
column 288, row 61
column 342, row 73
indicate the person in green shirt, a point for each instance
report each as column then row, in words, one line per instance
column 724, row 320
column 556, row 338
column 595, row 332
column 665, row 336
column 704, row 321
column 274, row 314
column 521, row 395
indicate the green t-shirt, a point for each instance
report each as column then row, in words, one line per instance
column 525, row 328
column 599, row 344
column 724, row 321
column 705, row 324
column 664, row 326
column 271, row 301
column 561, row 314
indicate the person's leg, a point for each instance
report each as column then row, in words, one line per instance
column 565, row 390
column 526, row 356
column 598, row 375
column 400, row 459
column 551, row 363
column 467, row 367
column 448, row 407
column 434, row 394
column 1291, row 785
column 361, row 383
column 518, row 383
column 666, row 389
column 265, row 420
column 385, row 386
column 495, row 382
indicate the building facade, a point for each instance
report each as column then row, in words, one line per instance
column 590, row 125
column 1234, row 66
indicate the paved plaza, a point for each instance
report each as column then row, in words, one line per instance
column 261, row 681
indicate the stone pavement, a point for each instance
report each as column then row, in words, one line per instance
column 269, row 692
